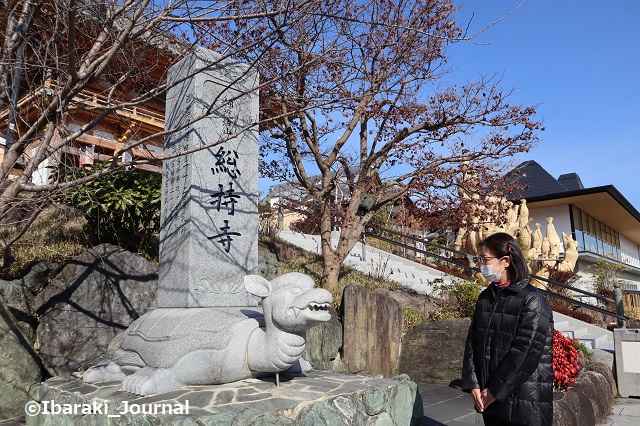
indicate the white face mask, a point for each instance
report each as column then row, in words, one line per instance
column 489, row 274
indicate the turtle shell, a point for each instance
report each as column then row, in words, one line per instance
column 163, row 336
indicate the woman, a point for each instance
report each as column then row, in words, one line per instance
column 507, row 360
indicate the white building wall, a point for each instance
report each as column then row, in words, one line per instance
column 628, row 246
column 41, row 175
column 629, row 253
column 561, row 220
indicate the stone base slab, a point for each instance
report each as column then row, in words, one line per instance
column 315, row 398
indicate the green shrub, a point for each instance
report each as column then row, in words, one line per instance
column 122, row 208
column 461, row 295
column 586, row 352
column 412, row 317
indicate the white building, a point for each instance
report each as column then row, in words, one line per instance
column 601, row 219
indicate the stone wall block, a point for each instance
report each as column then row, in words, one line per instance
column 20, row 366
column 19, row 294
column 572, row 408
column 337, row 411
column 95, row 296
column 433, row 352
column 220, row 419
column 324, row 342
column 372, row 326
column 382, row 419
column 267, row 264
column 376, row 400
column 607, row 373
column 405, row 394
column 251, row 417
column 596, row 387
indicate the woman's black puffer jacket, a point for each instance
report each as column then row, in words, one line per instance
column 508, row 350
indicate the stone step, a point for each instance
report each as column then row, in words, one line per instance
column 592, row 336
column 411, row 274
column 592, row 341
column 608, row 346
column 574, row 333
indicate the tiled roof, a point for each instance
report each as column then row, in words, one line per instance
column 537, row 181
column 571, row 181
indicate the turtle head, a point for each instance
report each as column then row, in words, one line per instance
column 290, row 301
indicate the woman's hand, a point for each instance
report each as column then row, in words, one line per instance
column 476, row 394
column 486, row 398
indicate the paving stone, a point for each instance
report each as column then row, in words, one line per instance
column 297, row 394
column 279, row 404
column 224, row 397
column 201, row 398
column 252, row 397
column 246, row 391
column 631, row 410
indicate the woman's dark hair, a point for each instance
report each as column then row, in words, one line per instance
column 503, row 245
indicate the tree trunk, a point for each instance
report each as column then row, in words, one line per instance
column 330, row 262
column 333, row 258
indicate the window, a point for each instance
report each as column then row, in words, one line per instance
column 587, row 224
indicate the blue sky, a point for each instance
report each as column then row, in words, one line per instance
column 580, row 60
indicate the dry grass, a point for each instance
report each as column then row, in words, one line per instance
column 57, row 235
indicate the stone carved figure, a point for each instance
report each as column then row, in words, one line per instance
column 545, row 247
column 524, row 235
column 568, row 264
column 473, row 239
column 523, row 218
column 554, row 238
column 536, row 240
column 512, row 218
column 517, row 224
column 171, row 347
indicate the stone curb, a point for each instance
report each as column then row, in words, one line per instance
column 588, row 402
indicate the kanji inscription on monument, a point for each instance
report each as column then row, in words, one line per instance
column 209, row 223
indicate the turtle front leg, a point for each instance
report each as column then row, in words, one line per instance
column 104, row 371
column 150, row 380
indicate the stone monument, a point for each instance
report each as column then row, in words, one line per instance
column 209, row 224
column 207, row 328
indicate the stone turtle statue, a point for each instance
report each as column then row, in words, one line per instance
column 171, row 347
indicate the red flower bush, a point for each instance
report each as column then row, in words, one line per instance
column 566, row 363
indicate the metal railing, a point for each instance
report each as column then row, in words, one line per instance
column 620, row 316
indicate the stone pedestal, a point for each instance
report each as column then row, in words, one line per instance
column 627, row 345
column 316, row 398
